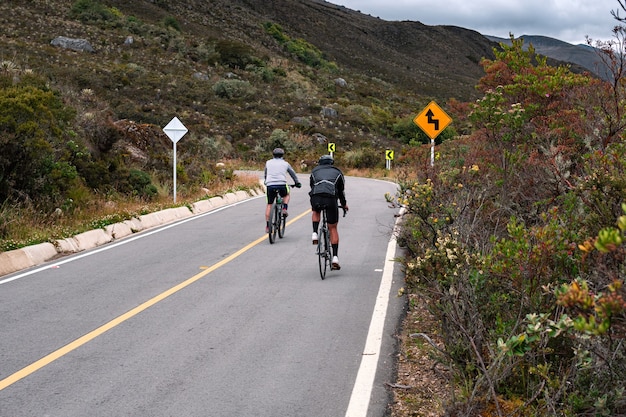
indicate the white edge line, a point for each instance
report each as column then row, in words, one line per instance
column 362, row 390
column 74, row 257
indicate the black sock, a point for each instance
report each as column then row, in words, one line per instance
column 335, row 249
column 316, row 225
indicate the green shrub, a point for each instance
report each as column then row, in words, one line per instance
column 171, row 22
column 304, row 51
column 233, row 89
column 234, row 54
column 279, row 138
column 266, row 74
column 199, row 154
column 92, row 11
column 276, row 31
column 293, row 143
column 141, row 184
column 408, row 132
column 33, row 163
column 363, row 158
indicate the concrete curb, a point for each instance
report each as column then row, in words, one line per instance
column 27, row 257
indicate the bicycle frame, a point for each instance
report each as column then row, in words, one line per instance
column 277, row 221
column 324, row 247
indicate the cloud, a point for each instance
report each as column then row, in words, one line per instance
column 567, row 20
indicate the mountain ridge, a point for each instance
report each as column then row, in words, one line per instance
column 586, row 56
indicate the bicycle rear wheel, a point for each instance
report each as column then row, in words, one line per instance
column 329, row 251
column 323, row 251
column 274, row 215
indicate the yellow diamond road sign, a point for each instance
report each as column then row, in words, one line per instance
column 432, row 120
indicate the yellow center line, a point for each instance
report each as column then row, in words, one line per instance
column 35, row 366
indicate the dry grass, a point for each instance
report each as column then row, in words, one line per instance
column 422, row 387
column 22, row 226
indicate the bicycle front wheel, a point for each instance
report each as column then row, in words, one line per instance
column 281, row 223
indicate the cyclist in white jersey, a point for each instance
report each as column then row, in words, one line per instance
column 275, row 175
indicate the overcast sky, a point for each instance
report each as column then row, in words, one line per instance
column 567, row 20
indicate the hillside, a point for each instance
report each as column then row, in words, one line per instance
column 399, row 66
column 154, row 59
column 434, row 61
column 584, row 56
column 437, row 61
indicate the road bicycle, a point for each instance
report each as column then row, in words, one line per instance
column 324, row 247
column 277, row 219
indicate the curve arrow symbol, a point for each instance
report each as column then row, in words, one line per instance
column 430, row 116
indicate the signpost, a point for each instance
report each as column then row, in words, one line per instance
column 175, row 130
column 331, row 148
column 432, row 120
column 388, row 158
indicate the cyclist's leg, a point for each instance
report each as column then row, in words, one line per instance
column 334, row 234
column 334, row 244
column 316, row 202
column 333, row 220
column 315, row 219
column 270, row 197
column 286, row 194
column 283, row 190
column 267, row 212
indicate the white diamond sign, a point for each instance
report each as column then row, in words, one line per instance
column 175, row 130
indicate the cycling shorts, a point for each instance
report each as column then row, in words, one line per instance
column 274, row 190
column 318, row 202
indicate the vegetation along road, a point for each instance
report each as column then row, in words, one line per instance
column 205, row 317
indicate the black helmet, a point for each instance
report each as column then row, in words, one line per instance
column 326, row 160
column 278, row 152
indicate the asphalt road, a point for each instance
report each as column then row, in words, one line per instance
column 205, row 317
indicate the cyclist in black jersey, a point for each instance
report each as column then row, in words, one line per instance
column 327, row 186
